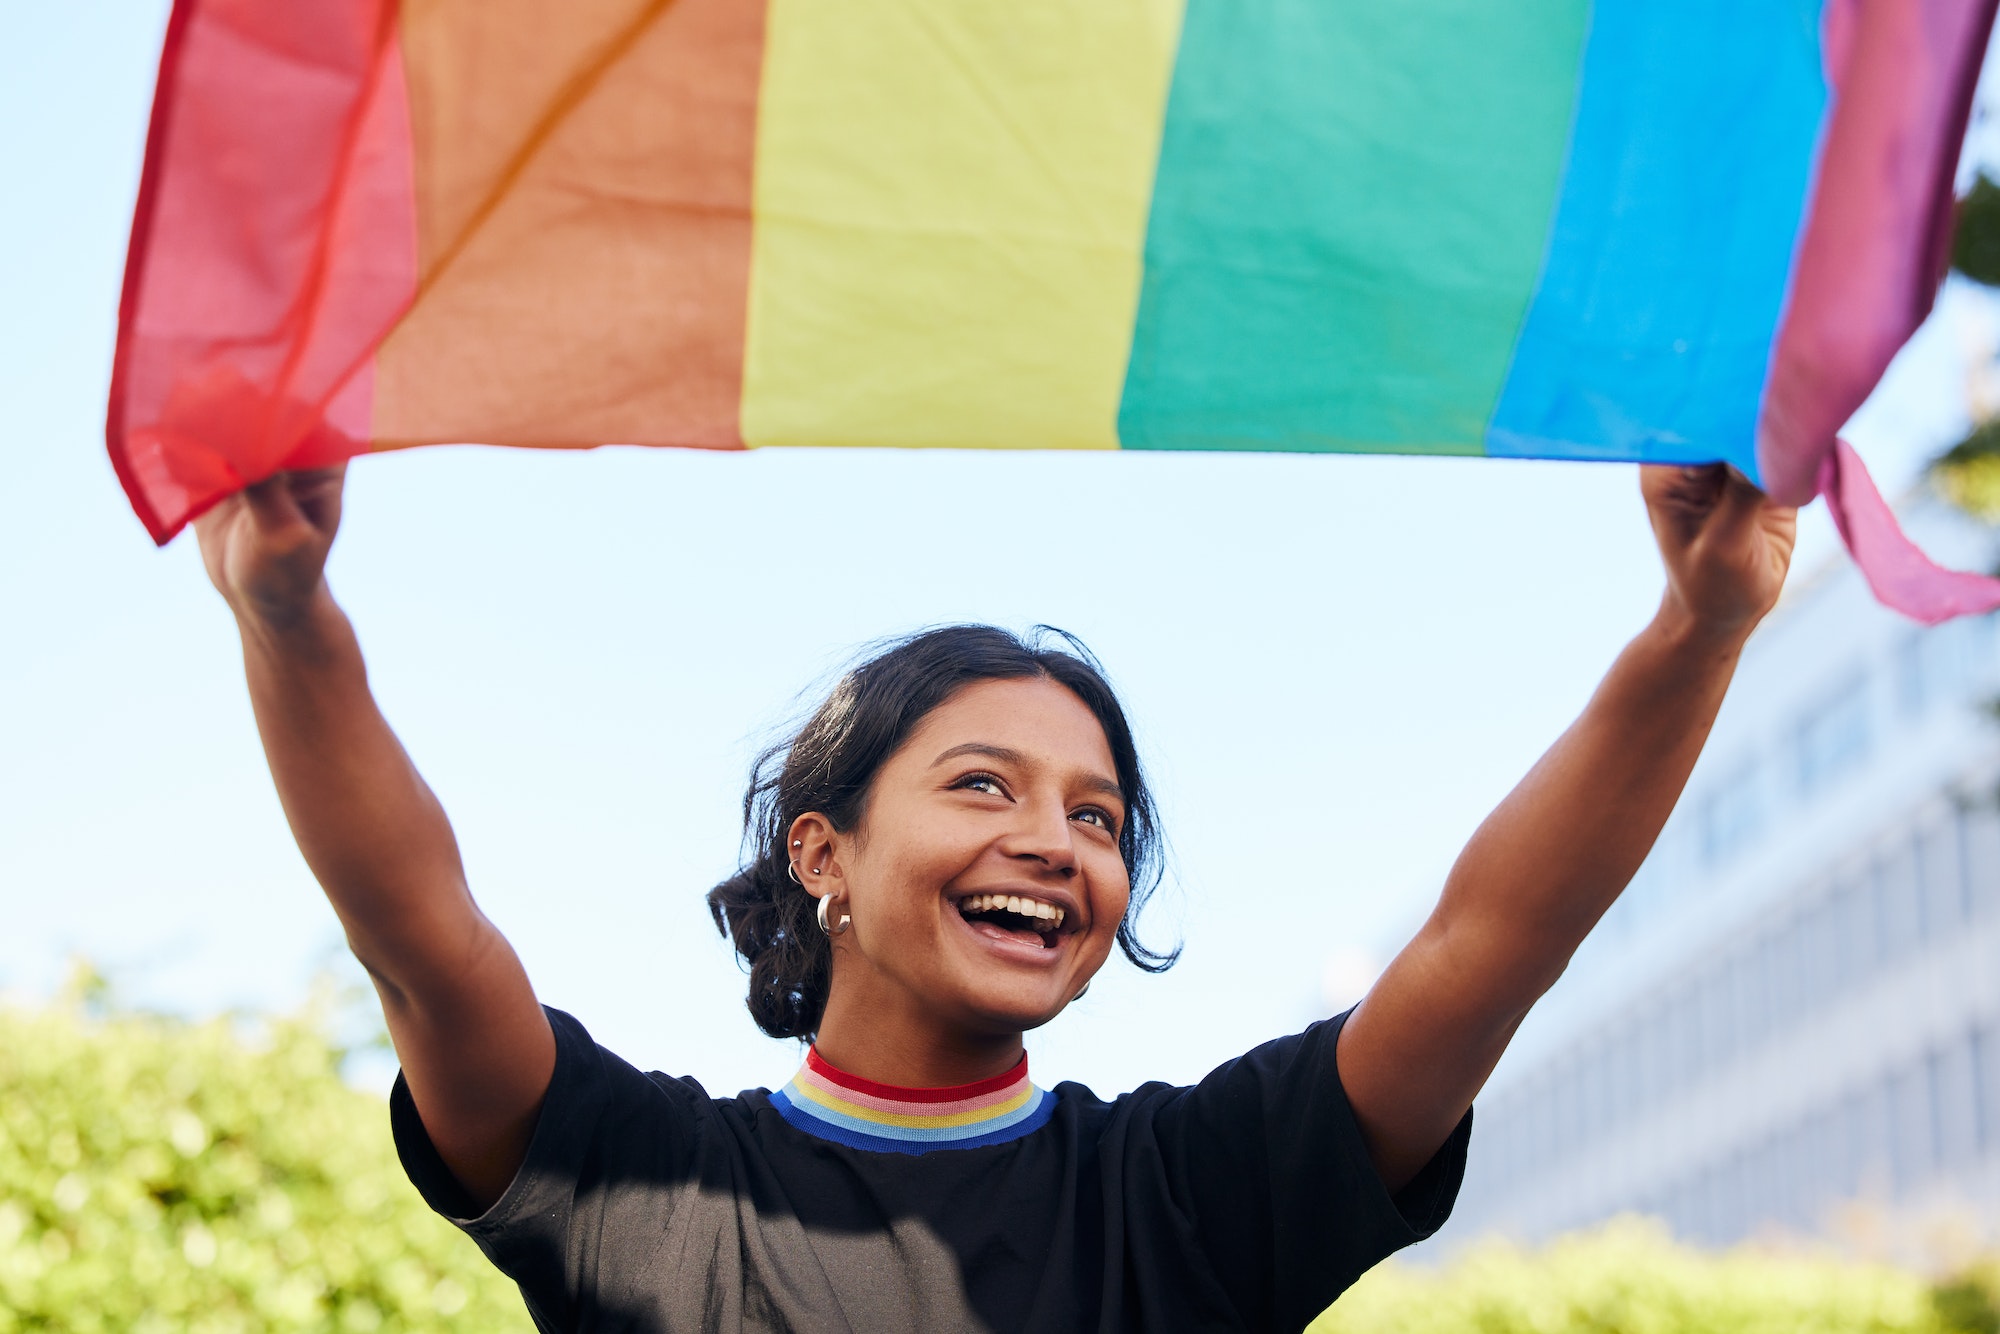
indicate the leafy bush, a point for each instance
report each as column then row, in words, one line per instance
column 1629, row 1277
column 1969, row 472
column 158, row 1175
column 1970, row 1302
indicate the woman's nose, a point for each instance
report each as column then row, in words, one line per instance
column 1044, row 834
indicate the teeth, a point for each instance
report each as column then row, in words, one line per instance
column 1016, row 904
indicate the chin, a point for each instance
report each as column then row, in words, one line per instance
column 1010, row 1012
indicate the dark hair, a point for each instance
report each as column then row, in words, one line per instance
column 829, row 765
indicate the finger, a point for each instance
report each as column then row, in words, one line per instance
column 272, row 504
column 318, row 492
column 1679, row 499
column 1682, row 487
column 1738, row 511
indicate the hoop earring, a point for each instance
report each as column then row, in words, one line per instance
column 825, row 905
column 1081, row 994
column 792, row 870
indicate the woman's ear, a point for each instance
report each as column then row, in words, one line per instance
column 810, row 847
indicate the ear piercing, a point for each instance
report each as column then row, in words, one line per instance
column 823, row 912
column 792, row 867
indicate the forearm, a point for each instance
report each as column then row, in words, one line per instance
column 473, row 1041
column 1551, row 859
column 1530, row 885
column 370, row 829
column 1547, row 864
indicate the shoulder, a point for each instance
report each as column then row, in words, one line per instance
column 1289, row 1065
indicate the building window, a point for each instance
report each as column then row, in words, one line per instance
column 1920, row 669
column 1783, row 953
column 1956, row 1103
column 1819, row 951
column 1986, row 1087
column 1911, row 1120
column 1718, row 1028
column 1866, row 1117
column 1939, row 873
column 1899, row 916
column 1939, row 664
column 1979, row 830
column 1752, row 971
column 1731, row 815
column 1834, row 738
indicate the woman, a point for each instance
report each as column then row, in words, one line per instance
column 942, row 859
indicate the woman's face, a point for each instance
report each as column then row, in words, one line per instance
column 984, row 879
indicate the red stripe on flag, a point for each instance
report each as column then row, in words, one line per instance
column 273, row 247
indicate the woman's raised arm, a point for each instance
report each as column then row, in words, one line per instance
column 475, row 1047
column 1545, row 866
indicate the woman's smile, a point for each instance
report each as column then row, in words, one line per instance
column 1026, row 925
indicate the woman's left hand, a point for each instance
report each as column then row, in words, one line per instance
column 1726, row 546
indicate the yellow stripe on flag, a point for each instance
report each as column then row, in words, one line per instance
column 950, row 208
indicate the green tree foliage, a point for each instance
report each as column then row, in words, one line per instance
column 1975, row 245
column 1969, row 472
column 1629, row 1277
column 158, row 1175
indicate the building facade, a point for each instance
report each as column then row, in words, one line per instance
column 1797, row 1002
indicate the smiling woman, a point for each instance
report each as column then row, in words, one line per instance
column 939, row 861
column 1002, row 770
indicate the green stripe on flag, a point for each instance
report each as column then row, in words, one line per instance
column 1348, row 221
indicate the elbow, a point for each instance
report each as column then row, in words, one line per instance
column 1506, row 965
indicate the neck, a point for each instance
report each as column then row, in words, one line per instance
column 903, row 1050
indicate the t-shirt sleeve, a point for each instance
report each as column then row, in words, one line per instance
column 609, row 1148
column 1268, row 1166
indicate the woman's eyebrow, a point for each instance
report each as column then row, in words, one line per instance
column 1100, row 784
column 991, row 752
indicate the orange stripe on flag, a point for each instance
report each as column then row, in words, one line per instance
column 583, row 176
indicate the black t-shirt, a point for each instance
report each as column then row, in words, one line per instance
column 1246, row 1202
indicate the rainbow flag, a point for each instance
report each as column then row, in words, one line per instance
column 1593, row 229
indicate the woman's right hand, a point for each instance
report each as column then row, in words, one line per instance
column 266, row 546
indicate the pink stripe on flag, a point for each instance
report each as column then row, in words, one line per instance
column 1872, row 250
column 1901, row 577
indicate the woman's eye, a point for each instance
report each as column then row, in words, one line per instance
column 1091, row 815
column 981, row 783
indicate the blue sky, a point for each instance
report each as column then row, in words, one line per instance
column 1336, row 665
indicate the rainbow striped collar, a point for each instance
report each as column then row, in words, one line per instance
column 832, row 1104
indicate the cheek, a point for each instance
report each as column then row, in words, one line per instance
column 905, row 874
column 1111, row 895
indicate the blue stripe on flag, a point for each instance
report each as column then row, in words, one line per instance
column 1651, row 329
